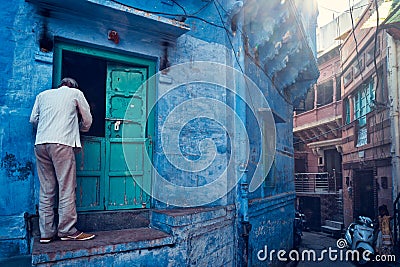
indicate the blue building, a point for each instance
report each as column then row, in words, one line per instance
column 189, row 161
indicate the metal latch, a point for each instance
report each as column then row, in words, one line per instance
column 118, row 122
column 116, row 125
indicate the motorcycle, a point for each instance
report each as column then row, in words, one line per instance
column 360, row 236
column 299, row 222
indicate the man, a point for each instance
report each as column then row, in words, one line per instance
column 55, row 113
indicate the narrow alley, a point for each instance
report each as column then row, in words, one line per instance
column 319, row 242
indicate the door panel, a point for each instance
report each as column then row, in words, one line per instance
column 126, row 110
column 90, row 174
column 118, row 163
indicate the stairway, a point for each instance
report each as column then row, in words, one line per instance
column 119, row 234
column 188, row 236
column 109, row 248
column 339, row 199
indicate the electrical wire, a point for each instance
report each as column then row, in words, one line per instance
column 193, row 16
column 202, row 8
column 355, row 40
column 273, row 82
column 183, row 9
column 375, row 47
column 331, row 130
column 345, row 11
column 170, row 14
column 340, row 47
column 365, row 88
column 221, row 6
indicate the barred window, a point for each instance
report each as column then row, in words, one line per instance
column 347, row 111
column 363, row 101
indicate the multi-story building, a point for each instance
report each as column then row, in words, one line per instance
column 317, row 129
column 366, row 132
column 361, row 66
column 317, row 145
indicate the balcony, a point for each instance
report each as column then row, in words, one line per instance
column 320, row 115
column 319, row 124
column 315, row 183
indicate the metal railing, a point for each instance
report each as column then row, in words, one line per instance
column 315, row 183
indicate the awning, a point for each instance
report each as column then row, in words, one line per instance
column 116, row 14
column 384, row 10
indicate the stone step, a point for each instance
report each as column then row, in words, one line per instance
column 113, row 220
column 95, row 221
column 20, row 261
column 108, row 247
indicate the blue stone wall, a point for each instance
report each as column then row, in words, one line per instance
column 203, row 126
column 271, row 207
column 17, row 166
column 272, row 226
column 204, row 236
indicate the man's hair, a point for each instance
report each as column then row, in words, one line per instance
column 71, row 83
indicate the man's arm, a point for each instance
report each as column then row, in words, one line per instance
column 84, row 110
column 34, row 119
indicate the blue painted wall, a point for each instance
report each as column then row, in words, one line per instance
column 26, row 71
column 17, row 183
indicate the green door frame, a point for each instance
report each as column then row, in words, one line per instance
column 114, row 57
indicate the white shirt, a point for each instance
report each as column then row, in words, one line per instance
column 55, row 113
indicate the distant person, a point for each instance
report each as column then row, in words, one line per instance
column 59, row 114
column 384, row 242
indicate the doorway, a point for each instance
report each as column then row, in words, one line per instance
column 311, row 207
column 333, row 165
column 111, row 82
column 364, row 192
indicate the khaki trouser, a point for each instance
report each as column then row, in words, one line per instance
column 56, row 166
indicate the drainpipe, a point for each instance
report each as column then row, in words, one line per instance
column 28, row 226
column 246, row 226
column 240, row 109
column 393, row 86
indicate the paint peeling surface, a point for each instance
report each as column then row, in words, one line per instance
column 16, row 170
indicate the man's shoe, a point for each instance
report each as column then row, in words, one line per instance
column 81, row 236
column 45, row 240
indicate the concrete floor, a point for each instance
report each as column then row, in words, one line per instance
column 319, row 242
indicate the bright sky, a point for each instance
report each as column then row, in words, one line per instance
column 328, row 8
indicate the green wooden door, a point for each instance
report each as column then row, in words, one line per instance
column 107, row 176
column 126, row 109
column 104, row 180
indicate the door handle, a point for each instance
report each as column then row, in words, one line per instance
column 118, row 122
column 116, row 125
